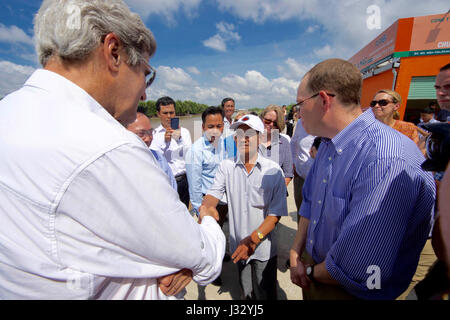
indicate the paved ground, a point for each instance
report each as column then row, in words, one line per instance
column 230, row 288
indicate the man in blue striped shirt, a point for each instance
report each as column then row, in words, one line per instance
column 367, row 207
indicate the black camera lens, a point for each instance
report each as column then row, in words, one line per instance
column 438, row 147
column 434, row 146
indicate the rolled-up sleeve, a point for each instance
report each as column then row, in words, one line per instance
column 287, row 166
column 218, row 187
column 119, row 217
column 305, row 208
column 278, row 203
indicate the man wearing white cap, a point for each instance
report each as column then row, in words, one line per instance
column 256, row 195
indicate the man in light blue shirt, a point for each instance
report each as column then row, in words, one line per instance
column 205, row 155
column 367, row 205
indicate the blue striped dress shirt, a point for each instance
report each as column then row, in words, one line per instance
column 370, row 207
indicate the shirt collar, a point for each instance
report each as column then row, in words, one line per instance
column 208, row 144
column 259, row 160
column 273, row 142
column 353, row 130
column 160, row 128
column 67, row 90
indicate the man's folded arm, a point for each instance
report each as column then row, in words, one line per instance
column 129, row 222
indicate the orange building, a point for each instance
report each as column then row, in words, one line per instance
column 406, row 57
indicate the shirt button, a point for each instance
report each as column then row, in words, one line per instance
column 202, row 245
column 340, row 151
column 314, row 221
column 324, row 180
column 329, row 158
column 319, row 202
column 310, row 241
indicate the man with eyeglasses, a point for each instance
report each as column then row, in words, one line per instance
column 367, row 205
column 142, row 127
column 173, row 143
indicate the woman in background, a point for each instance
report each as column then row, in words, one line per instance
column 385, row 105
column 273, row 141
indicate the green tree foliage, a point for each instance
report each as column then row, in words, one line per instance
column 257, row 110
column 182, row 108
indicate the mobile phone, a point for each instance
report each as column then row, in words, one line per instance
column 175, row 123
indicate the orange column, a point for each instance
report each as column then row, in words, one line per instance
column 371, row 85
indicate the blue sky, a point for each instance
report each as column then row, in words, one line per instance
column 253, row 50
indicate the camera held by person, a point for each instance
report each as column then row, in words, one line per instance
column 438, row 146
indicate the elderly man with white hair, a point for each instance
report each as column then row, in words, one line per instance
column 86, row 212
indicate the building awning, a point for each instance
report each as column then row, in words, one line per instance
column 422, row 88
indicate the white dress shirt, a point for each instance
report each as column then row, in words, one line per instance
column 175, row 150
column 227, row 131
column 301, row 143
column 85, row 211
column 251, row 197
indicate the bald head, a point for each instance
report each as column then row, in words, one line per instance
column 142, row 127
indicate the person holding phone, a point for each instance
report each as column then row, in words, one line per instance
column 173, row 142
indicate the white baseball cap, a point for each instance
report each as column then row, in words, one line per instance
column 250, row 120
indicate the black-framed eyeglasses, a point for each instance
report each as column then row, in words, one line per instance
column 381, row 103
column 299, row 104
column 150, row 77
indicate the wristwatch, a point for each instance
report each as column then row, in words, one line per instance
column 260, row 235
column 310, row 272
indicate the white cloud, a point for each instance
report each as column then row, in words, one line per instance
column 251, row 89
column 261, row 90
column 294, row 70
column 166, row 8
column 225, row 33
column 193, row 70
column 216, row 42
column 13, row 76
column 226, row 30
column 261, row 10
column 344, row 22
column 14, row 34
column 312, row 29
column 173, row 79
column 324, row 52
column 253, row 81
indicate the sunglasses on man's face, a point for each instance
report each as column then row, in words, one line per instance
column 381, row 103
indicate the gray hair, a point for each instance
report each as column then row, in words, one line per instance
column 73, row 29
